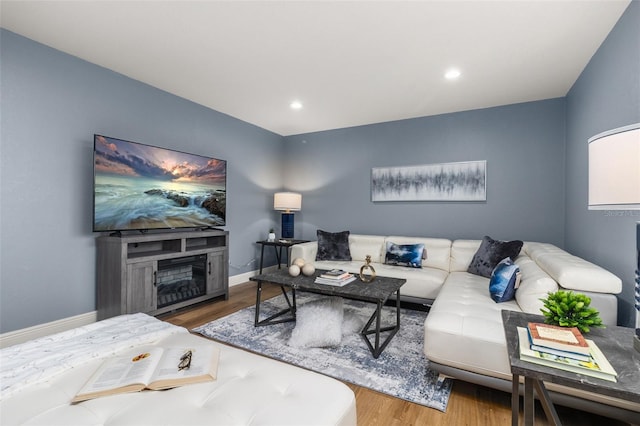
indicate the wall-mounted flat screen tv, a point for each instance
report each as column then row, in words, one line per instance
column 143, row 187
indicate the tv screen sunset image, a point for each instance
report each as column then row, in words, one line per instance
column 139, row 187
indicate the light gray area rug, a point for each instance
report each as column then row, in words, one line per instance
column 401, row 370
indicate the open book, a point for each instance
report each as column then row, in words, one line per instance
column 152, row 368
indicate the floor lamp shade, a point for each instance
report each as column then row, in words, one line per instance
column 614, row 169
column 287, row 202
column 614, row 184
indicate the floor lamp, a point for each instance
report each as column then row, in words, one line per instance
column 614, row 184
column 287, row 202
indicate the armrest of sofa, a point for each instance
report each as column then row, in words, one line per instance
column 306, row 251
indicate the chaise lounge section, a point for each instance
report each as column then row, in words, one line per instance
column 463, row 334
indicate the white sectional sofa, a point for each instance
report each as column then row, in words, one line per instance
column 463, row 334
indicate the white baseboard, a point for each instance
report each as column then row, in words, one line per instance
column 243, row 278
column 23, row 335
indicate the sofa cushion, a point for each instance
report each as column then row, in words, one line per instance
column 318, row 323
column 462, row 252
column 362, row 246
column 464, row 327
column 422, row 283
column 505, row 278
column 410, row 255
column 572, row 272
column 490, row 253
column 333, row 245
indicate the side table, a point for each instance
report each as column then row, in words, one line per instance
column 277, row 246
column 616, row 344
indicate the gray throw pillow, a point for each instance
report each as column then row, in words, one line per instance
column 490, row 253
column 333, row 245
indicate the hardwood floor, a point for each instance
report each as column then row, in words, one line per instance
column 469, row 404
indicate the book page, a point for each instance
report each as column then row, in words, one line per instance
column 203, row 366
column 135, row 368
column 556, row 334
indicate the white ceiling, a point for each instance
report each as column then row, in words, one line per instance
column 349, row 63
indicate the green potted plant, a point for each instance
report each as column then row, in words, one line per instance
column 568, row 309
column 272, row 235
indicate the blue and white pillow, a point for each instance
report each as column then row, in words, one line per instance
column 410, row 255
column 505, row 279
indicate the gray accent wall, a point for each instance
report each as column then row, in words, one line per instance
column 523, row 145
column 52, row 104
column 606, row 96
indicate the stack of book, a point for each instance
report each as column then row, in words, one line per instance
column 564, row 348
column 336, row 277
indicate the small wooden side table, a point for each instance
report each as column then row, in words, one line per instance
column 277, row 246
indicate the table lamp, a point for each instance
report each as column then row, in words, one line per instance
column 614, row 184
column 287, row 202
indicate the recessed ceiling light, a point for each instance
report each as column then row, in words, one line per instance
column 296, row 105
column 452, row 74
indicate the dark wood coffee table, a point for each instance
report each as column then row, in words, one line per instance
column 378, row 292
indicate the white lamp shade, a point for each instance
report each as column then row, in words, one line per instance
column 614, row 169
column 287, row 201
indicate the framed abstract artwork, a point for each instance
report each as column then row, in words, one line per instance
column 464, row 181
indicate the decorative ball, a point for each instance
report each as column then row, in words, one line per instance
column 308, row 269
column 299, row 262
column 294, row 270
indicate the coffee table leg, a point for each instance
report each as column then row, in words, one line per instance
column 378, row 314
column 378, row 348
column 272, row 319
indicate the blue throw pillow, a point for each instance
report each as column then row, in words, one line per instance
column 504, row 281
column 410, row 255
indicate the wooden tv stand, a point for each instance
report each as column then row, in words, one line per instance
column 128, row 265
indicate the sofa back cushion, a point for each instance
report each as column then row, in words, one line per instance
column 572, row 272
column 438, row 250
column 363, row 245
column 462, row 251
